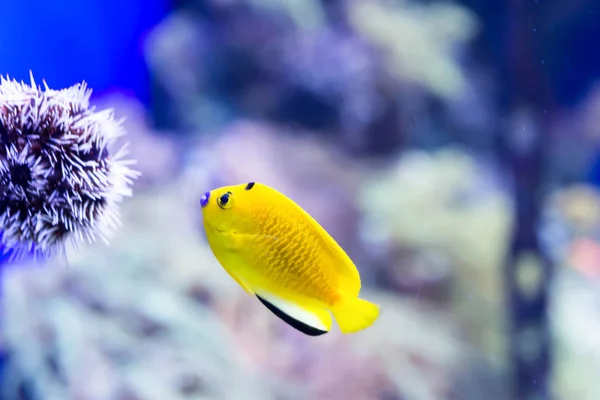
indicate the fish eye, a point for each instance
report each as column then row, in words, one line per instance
column 225, row 201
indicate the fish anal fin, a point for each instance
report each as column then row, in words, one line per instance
column 310, row 320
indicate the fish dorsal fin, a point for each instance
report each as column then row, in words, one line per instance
column 345, row 266
column 349, row 276
column 310, row 320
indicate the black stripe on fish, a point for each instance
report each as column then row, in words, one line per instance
column 249, row 186
column 291, row 321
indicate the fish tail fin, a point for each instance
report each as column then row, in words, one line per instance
column 353, row 315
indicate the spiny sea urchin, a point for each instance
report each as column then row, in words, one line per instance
column 58, row 180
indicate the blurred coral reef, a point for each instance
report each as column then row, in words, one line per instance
column 326, row 69
column 572, row 231
column 444, row 203
column 419, row 40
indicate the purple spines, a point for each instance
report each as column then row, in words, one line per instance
column 58, row 180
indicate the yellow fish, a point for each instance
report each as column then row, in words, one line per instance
column 277, row 252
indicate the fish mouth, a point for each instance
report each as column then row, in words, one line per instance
column 204, row 199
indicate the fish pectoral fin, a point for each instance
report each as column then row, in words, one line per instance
column 310, row 320
column 239, row 241
column 230, row 240
column 247, row 240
